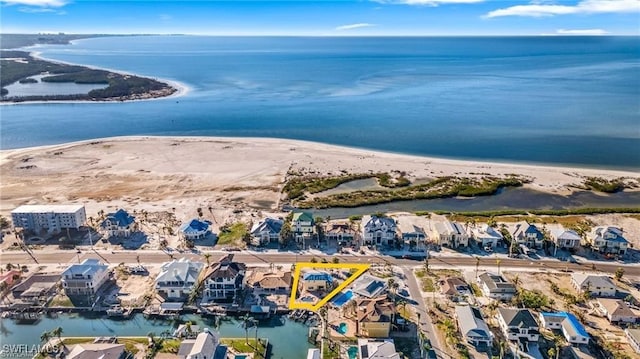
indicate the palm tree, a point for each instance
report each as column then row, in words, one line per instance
column 350, row 307
column 477, row 266
column 45, row 336
column 246, row 322
column 498, row 265
column 255, row 325
column 187, row 328
column 57, row 332
column 207, row 257
column 391, row 282
column 426, row 263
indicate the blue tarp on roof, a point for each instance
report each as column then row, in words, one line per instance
column 575, row 323
column 194, row 226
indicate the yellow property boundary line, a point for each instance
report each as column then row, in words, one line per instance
column 361, row 268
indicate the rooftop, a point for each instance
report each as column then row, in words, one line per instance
column 317, row 276
column 573, row 322
column 93, row 351
column 194, row 226
column 89, row 266
column 44, row 208
column 121, row 217
column 520, row 318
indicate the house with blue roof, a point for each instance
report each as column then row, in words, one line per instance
column 608, row 240
column 195, row 229
column 573, row 331
column 118, row 224
column 84, row 278
column 266, row 231
column 315, row 280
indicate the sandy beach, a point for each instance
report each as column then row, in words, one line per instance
column 180, row 174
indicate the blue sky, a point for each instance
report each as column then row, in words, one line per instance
column 325, row 18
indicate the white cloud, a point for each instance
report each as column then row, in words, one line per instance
column 581, row 32
column 40, row 3
column 354, row 26
column 427, row 2
column 537, row 9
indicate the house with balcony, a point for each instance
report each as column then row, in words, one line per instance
column 527, row 234
column 518, row 325
column 177, row 279
column 205, row 346
column 269, row 282
column 473, row 327
column 266, row 231
column 571, row 328
column 49, row 218
column 608, row 240
column 486, row 236
column 495, row 286
column 565, row 238
column 450, row 234
column 411, row 229
column 118, row 224
column 378, row 231
column 617, row 310
column 84, row 278
column 223, row 281
column 374, row 317
column 597, row 285
column 303, row 226
column 194, row 229
column 341, row 231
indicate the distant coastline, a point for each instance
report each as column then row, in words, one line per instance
column 20, row 66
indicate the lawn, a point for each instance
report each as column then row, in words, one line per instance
column 240, row 345
column 169, row 346
column 427, row 284
column 232, row 234
column 60, row 300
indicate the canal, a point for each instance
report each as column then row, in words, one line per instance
column 288, row 338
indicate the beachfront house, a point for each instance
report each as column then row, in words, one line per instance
column 340, row 231
column 608, row 240
column 473, row 327
column 377, row 349
column 565, row 238
column 527, row 234
column 412, row 231
column 268, row 282
column 315, row 281
column 223, row 281
column 450, row 234
column 597, row 285
column 205, row 346
column 495, row 286
column 573, row 331
column 633, row 336
column 378, row 230
column 178, row 278
column 303, row 226
column 266, row 231
column 49, row 218
column 194, row 229
column 369, row 286
column 118, row 224
column 518, row 324
column 616, row 310
column 486, row 236
column 374, row 316
column 84, row 278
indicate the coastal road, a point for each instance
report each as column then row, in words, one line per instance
column 256, row 258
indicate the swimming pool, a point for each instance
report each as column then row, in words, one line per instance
column 352, row 352
column 342, row 298
column 342, row 328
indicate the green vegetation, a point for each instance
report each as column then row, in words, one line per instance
column 483, row 215
column 119, row 87
column 476, row 290
column 230, row 234
column 169, row 346
column 12, row 41
column 532, row 299
column 439, row 188
column 603, row 185
column 241, row 346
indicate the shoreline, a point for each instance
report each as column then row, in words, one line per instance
column 181, row 88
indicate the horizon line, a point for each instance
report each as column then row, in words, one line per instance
column 324, row 35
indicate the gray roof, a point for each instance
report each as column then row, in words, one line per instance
column 594, row 281
column 93, row 351
column 520, row 318
column 89, row 266
column 376, row 222
column 271, row 225
column 182, row 270
column 449, row 227
column 470, row 321
column 523, row 228
column 494, row 281
column 609, row 233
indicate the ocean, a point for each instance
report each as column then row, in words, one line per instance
column 553, row 100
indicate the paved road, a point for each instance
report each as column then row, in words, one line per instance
column 425, row 323
column 66, row 256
